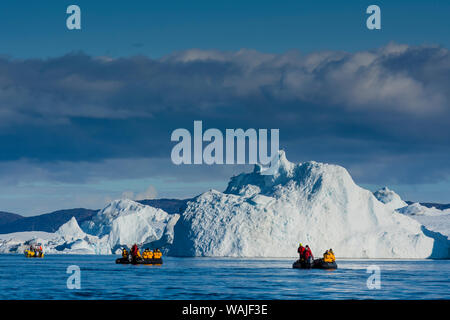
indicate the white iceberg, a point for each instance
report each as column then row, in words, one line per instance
column 313, row 203
column 125, row 222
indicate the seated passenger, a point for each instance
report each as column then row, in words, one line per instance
column 124, row 253
column 331, row 253
column 147, row 254
column 327, row 257
column 157, row 254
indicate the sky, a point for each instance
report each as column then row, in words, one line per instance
column 86, row 115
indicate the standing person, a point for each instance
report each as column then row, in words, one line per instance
column 134, row 251
column 309, row 258
column 301, row 251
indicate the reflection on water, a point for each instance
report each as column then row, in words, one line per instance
column 214, row 278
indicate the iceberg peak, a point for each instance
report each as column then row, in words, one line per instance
column 389, row 198
column 71, row 229
column 289, row 173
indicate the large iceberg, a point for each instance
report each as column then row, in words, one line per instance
column 313, row 203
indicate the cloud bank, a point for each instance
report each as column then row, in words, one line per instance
column 382, row 113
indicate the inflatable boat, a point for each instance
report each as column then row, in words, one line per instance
column 316, row 264
column 138, row 261
column 33, row 254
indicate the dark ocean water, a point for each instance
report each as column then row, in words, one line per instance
column 218, row 278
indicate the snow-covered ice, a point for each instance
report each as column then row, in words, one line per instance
column 432, row 219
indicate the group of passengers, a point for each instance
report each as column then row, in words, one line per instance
column 146, row 254
column 306, row 255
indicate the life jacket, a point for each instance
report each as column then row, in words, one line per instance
column 124, row 253
column 301, row 250
column 332, row 257
column 157, row 254
column 147, row 254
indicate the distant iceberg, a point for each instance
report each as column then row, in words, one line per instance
column 124, row 222
column 436, row 223
column 120, row 224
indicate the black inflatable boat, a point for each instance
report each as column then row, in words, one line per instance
column 138, row 261
column 316, row 264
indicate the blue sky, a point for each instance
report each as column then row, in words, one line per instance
column 156, row 28
column 86, row 116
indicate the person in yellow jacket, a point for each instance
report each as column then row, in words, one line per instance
column 331, row 253
column 147, row 254
column 124, row 253
column 157, row 254
column 328, row 256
